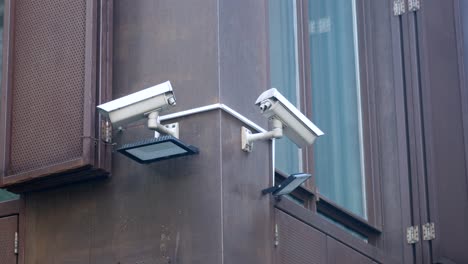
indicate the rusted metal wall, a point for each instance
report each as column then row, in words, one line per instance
column 208, row 208
column 198, row 209
column 8, row 227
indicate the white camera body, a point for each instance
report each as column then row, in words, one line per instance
column 138, row 105
column 296, row 126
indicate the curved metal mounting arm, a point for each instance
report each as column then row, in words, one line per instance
column 248, row 138
column 154, row 124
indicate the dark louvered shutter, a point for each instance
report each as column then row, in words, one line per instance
column 54, row 56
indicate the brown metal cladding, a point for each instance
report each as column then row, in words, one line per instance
column 338, row 253
column 247, row 214
column 166, row 212
column 207, row 208
column 298, row 242
column 57, row 67
column 8, row 227
column 442, row 182
column 48, row 83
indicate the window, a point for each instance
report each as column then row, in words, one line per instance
column 284, row 73
column 336, row 102
column 314, row 62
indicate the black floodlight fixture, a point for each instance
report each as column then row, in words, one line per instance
column 156, row 149
column 288, row 185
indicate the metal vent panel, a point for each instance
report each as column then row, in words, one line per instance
column 339, row 253
column 47, row 84
column 8, row 227
column 299, row 243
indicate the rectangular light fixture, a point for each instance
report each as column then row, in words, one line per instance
column 288, row 185
column 156, row 149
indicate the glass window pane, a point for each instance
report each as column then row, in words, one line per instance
column 284, row 73
column 6, row 196
column 336, row 102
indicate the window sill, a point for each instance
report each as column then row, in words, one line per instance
column 334, row 211
column 347, row 218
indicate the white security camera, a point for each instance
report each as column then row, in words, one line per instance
column 138, row 105
column 146, row 103
column 285, row 119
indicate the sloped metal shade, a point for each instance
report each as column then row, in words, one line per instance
column 156, row 149
column 288, row 185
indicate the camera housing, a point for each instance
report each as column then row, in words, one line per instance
column 285, row 119
column 296, row 126
column 138, row 105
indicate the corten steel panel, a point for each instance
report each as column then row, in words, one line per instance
column 247, row 214
column 10, row 207
column 49, row 91
column 444, row 184
column 8, row 227
column 299, row 243
column 384, row 79
column 412, row 108
column 165, row 212
column 156, row 41
column 48, row 83
column 463, row 38
column 338, row 253
column 332, row 230
column 243, row 52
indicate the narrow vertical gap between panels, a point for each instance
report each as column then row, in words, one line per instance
column 462, row 54
column 408, row 148
column 218, row 68
column 423, row 130
column 220, row 115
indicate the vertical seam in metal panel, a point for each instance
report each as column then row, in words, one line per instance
column 462, row 76
column 220, row 133
column 221, row 184
column 423, row 131
column 408, row 150
column 398, row 146
column 218, row 51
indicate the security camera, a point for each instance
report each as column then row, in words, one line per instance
column 146, row 103
column 296, row 125
column 138, row 105
column 285, row 119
